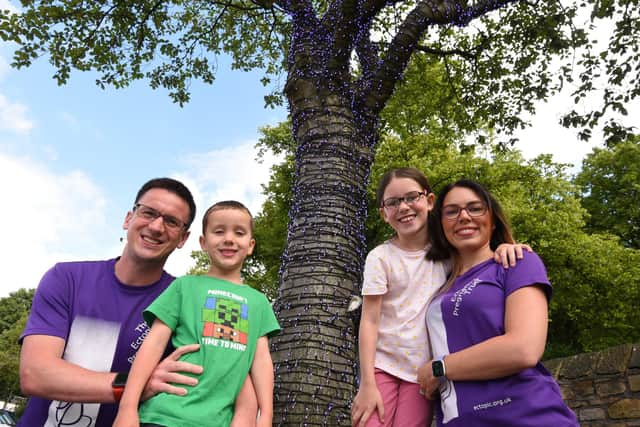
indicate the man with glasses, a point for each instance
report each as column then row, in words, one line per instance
column 86, row 325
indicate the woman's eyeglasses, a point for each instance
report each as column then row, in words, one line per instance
column 474, row 209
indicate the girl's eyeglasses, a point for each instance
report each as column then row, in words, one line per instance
column 393, row 203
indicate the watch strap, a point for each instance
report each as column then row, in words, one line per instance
column 118, row 384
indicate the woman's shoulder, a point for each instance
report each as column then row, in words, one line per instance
column 530, row 259
column 530, row 270
column 529, row 264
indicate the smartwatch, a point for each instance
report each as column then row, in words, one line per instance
column 438, row 369
column 118, row 385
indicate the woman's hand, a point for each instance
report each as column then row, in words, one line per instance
column 366, row 402
column 428, row 383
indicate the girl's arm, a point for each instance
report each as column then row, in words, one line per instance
column 520, row 347
column 146, row 360
column 262, row 377
column 368, row 399
column 507, row 254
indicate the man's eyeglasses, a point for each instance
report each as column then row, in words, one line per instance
column 149, row 214
column 393, row 203
column 474, row 209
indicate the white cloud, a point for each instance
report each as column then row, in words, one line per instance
column 4, row 66
column 6, row 5
column 71, row 120
column 230, row 173
column 43, row 214
column 13, row 117
column 547, row 136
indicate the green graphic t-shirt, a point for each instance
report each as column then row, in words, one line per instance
column 226, row 319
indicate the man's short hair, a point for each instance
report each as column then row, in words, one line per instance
column 173, row 186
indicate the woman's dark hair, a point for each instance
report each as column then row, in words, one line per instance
column 440, row 247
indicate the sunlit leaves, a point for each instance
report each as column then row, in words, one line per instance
column 610, row 185
column 13, row 314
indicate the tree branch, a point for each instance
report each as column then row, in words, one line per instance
column 141, row 23
column 470, row 55
column 375, row 92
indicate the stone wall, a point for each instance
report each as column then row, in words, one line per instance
column 602, row 388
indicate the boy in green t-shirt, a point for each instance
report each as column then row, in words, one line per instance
column 230, row 320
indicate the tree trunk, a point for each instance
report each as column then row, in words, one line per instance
column 315, row 355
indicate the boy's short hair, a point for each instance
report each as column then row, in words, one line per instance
column 225, row 204
column 173, row 186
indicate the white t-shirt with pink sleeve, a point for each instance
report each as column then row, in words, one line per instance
column 407, row 280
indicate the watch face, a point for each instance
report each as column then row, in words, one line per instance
column 120, row 380
column 438, row 368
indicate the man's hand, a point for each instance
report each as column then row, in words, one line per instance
column 170, row 370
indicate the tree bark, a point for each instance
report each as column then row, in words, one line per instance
column 315, row 355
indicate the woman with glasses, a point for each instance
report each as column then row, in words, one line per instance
column 487, row 325
column 398, row 282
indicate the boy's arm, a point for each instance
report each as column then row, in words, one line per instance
column 146, row 360
column 245, row 411
column 262, row 377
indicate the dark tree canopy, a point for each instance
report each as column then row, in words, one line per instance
column 13, row 307
column 13, row 315
column 507, row 57
column 343, row 59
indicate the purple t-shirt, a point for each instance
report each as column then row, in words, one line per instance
column 472, row 311
column 100, row 319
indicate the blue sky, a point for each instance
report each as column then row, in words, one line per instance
column 73, row 157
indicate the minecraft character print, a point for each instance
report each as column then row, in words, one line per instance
column 225, row 319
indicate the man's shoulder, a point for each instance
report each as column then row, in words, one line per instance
column 75, row 275
column 76, row 270
column 85, row 265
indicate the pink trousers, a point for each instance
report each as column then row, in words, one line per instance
column 404, row 406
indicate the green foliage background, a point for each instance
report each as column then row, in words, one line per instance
column 13, row 316
column 455, row 91
column 583, row 234
column 596, row 278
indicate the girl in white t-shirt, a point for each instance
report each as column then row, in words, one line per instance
column 398, row 283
